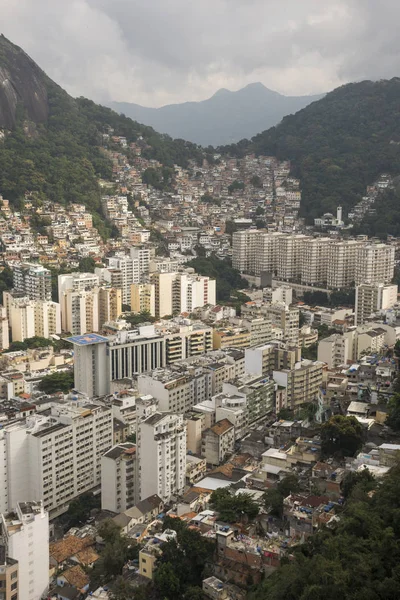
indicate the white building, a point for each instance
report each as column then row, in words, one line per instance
column 32, row 280
column 25, row 533
column 181, row 292
column 119, row 485
column 161, row 452
column 371, row 298
column 375, row 264
column 29, row 318
column 335, row 350
column 54, row 458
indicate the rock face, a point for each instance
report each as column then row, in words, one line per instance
column 23, row 83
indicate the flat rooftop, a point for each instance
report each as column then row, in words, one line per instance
column 87, row 339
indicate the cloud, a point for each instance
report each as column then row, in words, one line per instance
column 154, row 52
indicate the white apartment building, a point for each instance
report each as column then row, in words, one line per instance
column 80, row 311
column 119, row 485
column 312, row 261
column 143, row 256
column 302, row 383
column 161, row 452
column 29, row 318
column 54, row 458
column 176, row 391
column 129, row 268
column 283, row 293
column 32, row 280
column 181, row 292
column 25, row 532
column 375, row 264
column 335, row 350
column 371, row 298
column 77, row 282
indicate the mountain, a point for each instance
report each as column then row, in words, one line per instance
column 337, row 145
column 50, row 143
column 224, row 118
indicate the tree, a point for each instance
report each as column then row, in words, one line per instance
column 393, row 418
column 87, row 265
column 61, row 381
column 342, row 435
column 355, row 478
column 256, row 181
column 139, row 318
column 79, row 510
column 233, row 507
column 122, row 590
column 167, row 582
column 274, row 497
column 236, row 185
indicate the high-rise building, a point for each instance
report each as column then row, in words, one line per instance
column 54, row 458
column 302, row 383
column 371, row 298
column 181, row 292
column 4, row 331
column 110, row 305
column 8, row 576
column 80, row 311
column 161, row 452
column 341, row 263
column 375, row 264
column 77, row 282
column 143, row 298
column 29, row 318
column 26, row 538
column 32, row 280
column 314, row 261
column 130, row 272
column 119, row 484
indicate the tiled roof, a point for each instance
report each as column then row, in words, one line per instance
column 69, row 546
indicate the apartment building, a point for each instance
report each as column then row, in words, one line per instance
column 176, row 391
column 185, row 339
column 263, row 360
column 128, row 271
column 32, row 280
column 259, row 393
column 77, row 282
column 302, row 383
column 230, row 336
column 371, row 298
column 110, row 305
column 342, row 259
column 25, row 534
column 119, row 484
column 8, row 576
column 335, row 350
column 222, row 365
column 29, row 318
column 375, row 264
column 161, row 454
column 54, row 458
column 4, row 332
column 324, row 261
column 218, row 442
column 80, row 311
column 143, row 298
column 177, row 293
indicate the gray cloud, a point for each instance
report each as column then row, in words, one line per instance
column 156, row 51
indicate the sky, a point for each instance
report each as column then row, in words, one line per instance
column 156, row 52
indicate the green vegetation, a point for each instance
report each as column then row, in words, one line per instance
column 6, row 280
column 310, row 353
column 139, row 318
column 273, row 498
column 357, row 559
column 341, row 435
column 181, row 567
column 33, row 342
column 161, row 179
column 337, row 145
column 338, row 298
column 256, row 181
column 79, row 510
column 228, row 279
column 393, row 419
column 116, row 552
column 62, row 158
column 61, row 381
column 233, row 508
column 235, row 186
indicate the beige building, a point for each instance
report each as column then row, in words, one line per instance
column 29, row 318
column 375, row 264
column 342, row 258
column 302, row 383
column 119, row 486
column 4, row 329
column 110, row 305
column 335, row 350
column 230, row 336
column 218, row 442
column 8, row 576
column 143, row 298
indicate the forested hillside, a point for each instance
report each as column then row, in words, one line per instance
column 359, row 559
column 337, row 145
column 54, row 146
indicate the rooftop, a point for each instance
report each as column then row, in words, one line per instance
column 87, row 339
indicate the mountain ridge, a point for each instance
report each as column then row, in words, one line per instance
column 227, row 116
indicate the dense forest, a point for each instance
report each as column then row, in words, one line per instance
column 387, row 218
column 358, row 559
column 337, row 145
column 59, row 155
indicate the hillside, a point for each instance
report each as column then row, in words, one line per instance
column 51, row 142
column 339, row 144
column 224, row 118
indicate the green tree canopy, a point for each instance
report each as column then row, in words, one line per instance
column 342, row 435
column 60, row 381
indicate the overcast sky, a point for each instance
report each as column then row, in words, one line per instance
column 155, row 52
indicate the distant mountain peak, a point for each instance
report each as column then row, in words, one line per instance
column 227, row 117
